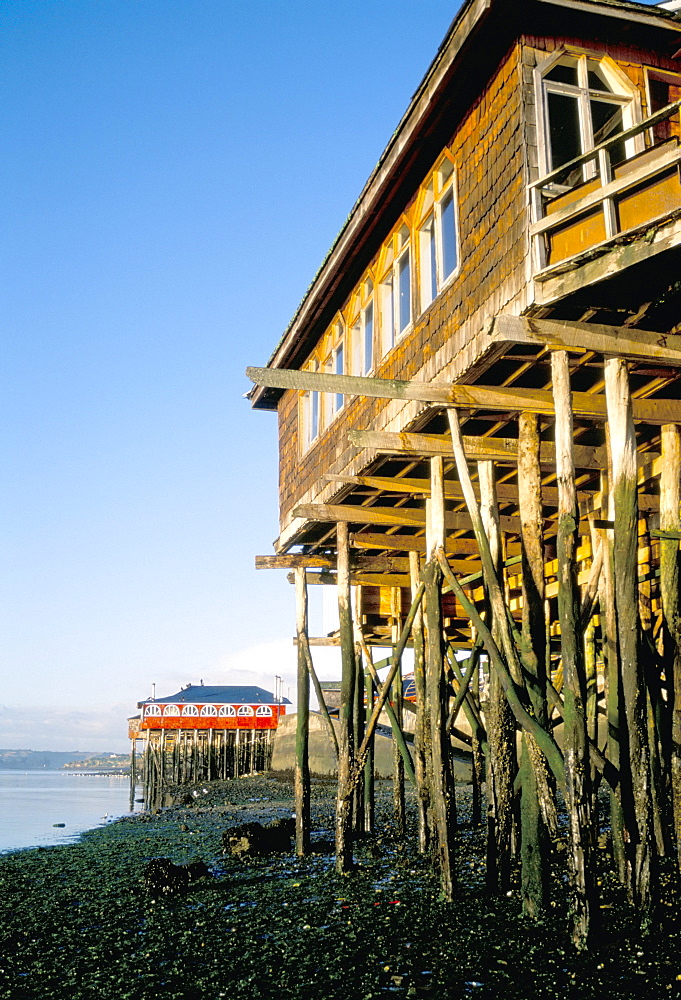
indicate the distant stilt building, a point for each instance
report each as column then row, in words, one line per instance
column 200, row 733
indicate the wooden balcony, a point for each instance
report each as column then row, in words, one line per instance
column 574, row 220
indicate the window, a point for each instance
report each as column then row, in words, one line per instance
column 311, row 412
column 171, row 710
column 245, row 710
column 152, row 710
column 585, row 101
column 363, row 332
column 264, row 710
column 190, row 710
column 209, row 710
column 227, row 710
column 396, row 291
column 663, row 88
column 338, row 368
column 438, row 242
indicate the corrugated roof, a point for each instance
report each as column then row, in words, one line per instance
column 205, row 694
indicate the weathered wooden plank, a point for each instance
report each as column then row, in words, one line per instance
column 404, row 516
column 295, row 561
column 476, row 397
column 452, row 490
column 478, row 449
column 417, row 543
column 609, row 340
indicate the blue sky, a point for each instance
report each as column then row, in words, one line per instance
column 173, row 172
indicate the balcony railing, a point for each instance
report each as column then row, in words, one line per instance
column 610, row 200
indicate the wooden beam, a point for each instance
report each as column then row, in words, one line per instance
column 475, row 397
column 404, row 516
column 452, row 490
column 295, row 561
column 615, row 341
column 416, row 543
column 357, row 579
column 478, row 449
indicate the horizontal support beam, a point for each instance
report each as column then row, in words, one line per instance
column 410, row 543
column 452, row 489
column 613, row 341
column 474, row 397
column 402, row 516
column 295, row 561
column 360, row 563
column 356, row 579
column 478, row 449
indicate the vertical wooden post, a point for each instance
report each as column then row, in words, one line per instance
column 577, row 766
column 634, row 695
column 302, row 767
column 369, row 798
column 670, row 498
column 442, row 798
column 396, row 698
column 534, row 781
column 422, row 751
column 358, row 728
column 345, row 735
column 611, row 671
column 133, row 766
column 501, row 724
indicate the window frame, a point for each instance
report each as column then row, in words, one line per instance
column 432, row 240
column 390, row 288
column 624, row 93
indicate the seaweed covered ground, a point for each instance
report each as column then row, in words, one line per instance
column 76, row 923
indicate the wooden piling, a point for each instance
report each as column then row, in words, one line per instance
column 623, row 473
column 442, row 798
column 670, row 521
column 577, row 767
column 422, row 751
column 345, row 715
column 302, row 767
column 502, row 762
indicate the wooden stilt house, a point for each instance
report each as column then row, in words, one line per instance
column 479, row 400
column 203, row 732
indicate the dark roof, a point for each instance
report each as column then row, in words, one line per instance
column 204, row 694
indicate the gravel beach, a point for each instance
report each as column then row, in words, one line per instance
column 77, row 923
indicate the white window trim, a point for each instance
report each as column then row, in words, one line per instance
column 154, row 710
column 227, row 711
column 209, row 710
column 245, row 710
column 190, row 710
column 389, row 291
column 434, row 216
column 264, row 711
column 171, row 710
column 624, row 93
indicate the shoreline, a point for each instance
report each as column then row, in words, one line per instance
column 76, row 920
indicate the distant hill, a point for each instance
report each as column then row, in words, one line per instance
column 100, row 762
column 29, row 760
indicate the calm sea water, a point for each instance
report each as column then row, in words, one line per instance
column 31, row 802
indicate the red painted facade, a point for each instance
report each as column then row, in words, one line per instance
column 180, row 720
